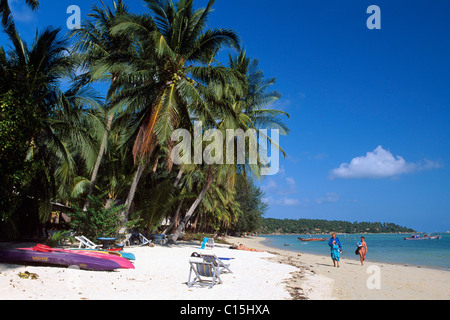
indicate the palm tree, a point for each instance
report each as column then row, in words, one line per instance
column 6, row 15
column 250, row 112
column 103, row 55
column 256, row 98
column 34, row 75
column 170, row 74
column 8, row 23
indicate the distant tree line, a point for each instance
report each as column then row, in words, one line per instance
column 309, row 226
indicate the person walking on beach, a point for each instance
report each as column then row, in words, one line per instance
column 362, row 250
column 335, row 254
column 334, row 242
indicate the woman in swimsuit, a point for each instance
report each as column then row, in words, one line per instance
column 363, row 250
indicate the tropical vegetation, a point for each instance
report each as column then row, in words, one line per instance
column 104, row 158
column 317, row 226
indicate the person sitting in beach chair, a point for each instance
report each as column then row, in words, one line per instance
column 203, row 270
column 86, row 243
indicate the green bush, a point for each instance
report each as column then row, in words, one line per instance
column 98, row 220
column 59, row 237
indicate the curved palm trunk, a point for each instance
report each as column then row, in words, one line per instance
column 97, row 164
column 132, row 192
column 177, row 213
column 100, row 153
column 174, row 237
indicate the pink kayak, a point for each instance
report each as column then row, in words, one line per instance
column 124, row 263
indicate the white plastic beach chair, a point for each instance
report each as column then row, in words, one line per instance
column 127, row 240
column 144, row 240
column 212, row 258
column 208, row 243
column 85, row 242
column 203, row 270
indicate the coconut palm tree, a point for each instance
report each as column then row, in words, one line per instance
column 8, row 24
column 102, row 55
column 34, row 74
column 170, row 74
column 250, row 112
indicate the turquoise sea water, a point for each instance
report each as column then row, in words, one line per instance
column 381, row 248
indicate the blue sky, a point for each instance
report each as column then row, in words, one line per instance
column 370, row 109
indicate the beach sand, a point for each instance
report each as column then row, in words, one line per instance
column 317, row 279
column 162, row 272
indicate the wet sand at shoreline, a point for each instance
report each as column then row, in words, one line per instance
column 318, row 279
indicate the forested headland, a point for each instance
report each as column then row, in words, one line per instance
column 311, row 226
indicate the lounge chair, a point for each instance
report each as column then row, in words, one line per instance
column 203, row 270
column 144, row 240
column 159, row 238
column 208, row 243
column 212, row 258
column 127, row 240
column 86, row 243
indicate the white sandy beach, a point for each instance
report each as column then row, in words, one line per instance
column 349, row 282
column 162, row 272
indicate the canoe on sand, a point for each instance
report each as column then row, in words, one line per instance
column 57, row 259
column 124, row 263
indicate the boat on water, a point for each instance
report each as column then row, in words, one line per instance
column 57, row 259
column 425, row 237
column 312, row 239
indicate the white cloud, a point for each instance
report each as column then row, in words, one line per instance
column 283, row 202
column 279, row 190
column 330, row 197
column 270, row 185
column 291, row 187
column 379, row 164
column 21, row 12
column 285, row 187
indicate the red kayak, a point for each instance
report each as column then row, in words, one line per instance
column 124, row 263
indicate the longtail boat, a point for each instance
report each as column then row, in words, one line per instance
column 312, row 239
column 425, row 237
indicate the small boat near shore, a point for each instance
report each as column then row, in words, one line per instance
column 312, row 239
column 425, row 237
